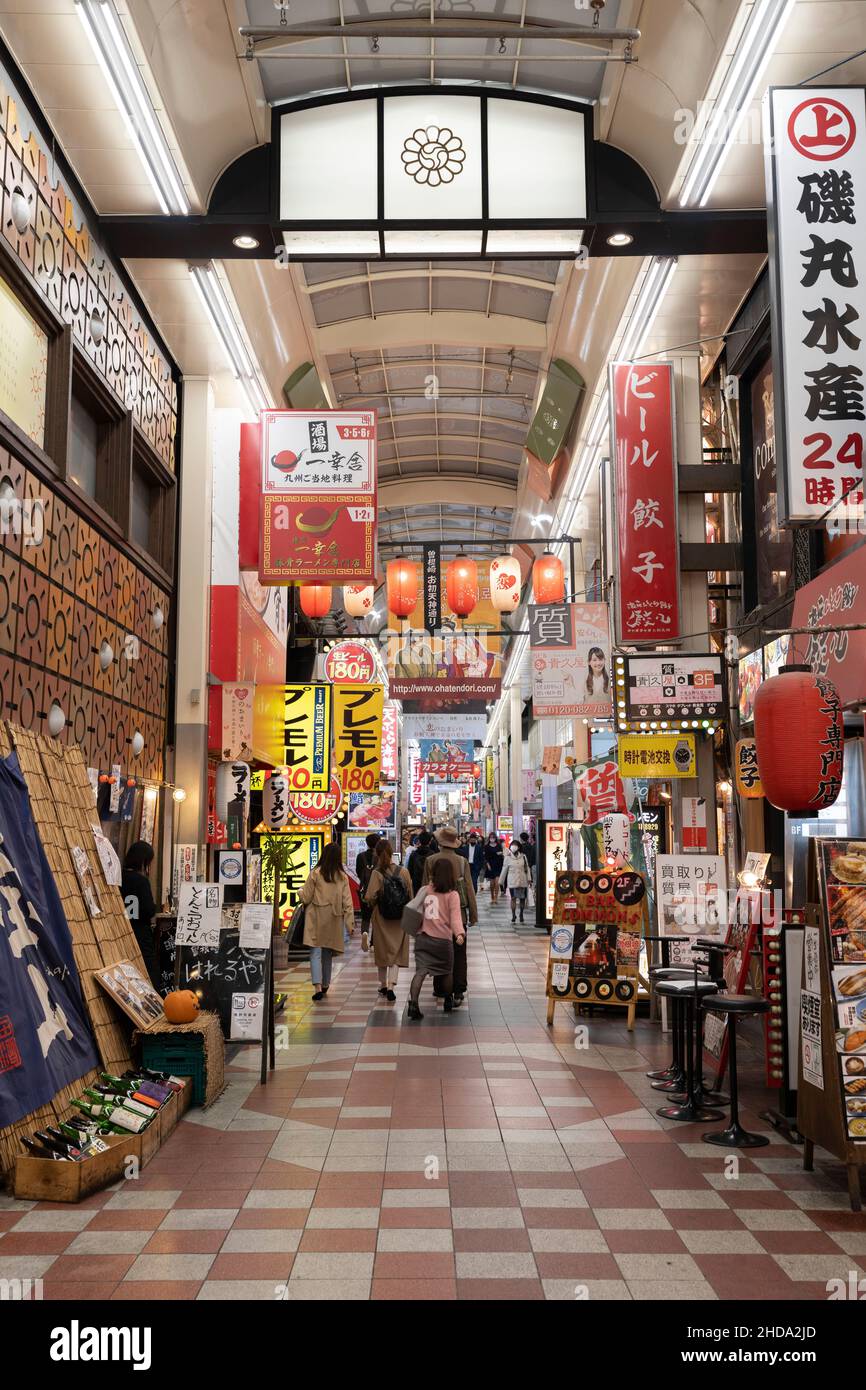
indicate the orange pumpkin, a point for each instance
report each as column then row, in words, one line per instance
column 181, row 1006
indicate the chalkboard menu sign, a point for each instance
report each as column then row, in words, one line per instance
column 229, row 979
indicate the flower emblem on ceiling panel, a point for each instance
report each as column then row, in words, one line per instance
column 433, row 155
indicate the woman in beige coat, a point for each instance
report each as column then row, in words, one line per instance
column 390, row 942
column 327, row 900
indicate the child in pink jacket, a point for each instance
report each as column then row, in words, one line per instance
column 434, row 943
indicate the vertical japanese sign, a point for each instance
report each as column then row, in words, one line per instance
column 571, row 665
column 816, row 185
column 432, row 591
column 642, row 430
column 237, row 721
column 318, row 496
column 305, row 852
column 748, row 778
column 358, row 736
column 291, row 729
column 417, row 795
column 489, row 782
column 390, row 743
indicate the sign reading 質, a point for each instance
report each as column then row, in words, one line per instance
column 570, row 655
column 642, row 431
column 318, row 496
column 816, row 148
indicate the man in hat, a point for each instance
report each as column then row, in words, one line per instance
column 449, row 842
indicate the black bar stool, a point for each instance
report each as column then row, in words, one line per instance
column 689, row 993
column 731, row 1007
column 675, row 1071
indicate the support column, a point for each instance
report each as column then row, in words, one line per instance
column 516, row 713
column 549, row 784
column 504, row 796
column 193, row 627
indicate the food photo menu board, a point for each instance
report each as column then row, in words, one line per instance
column 843, row 887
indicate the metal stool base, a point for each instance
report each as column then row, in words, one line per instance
column 735, row 1138
column 675, row 1083
column 689, row 1112
column 665, row 1074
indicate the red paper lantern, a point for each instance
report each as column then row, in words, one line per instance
column 461, row 585
column 800, row 740
column 402, row 585
column 548, row 579
column 315, row 599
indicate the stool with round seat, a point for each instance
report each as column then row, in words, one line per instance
column 732, row 1007
column 688, row 993
column 675, row 1071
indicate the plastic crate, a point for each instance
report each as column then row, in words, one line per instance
column 182, row 1056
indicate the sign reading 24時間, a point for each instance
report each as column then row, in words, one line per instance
column 642, row 430
column 318, row 496
column 816, row 201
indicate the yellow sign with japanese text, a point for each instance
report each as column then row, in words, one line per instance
column 358, row 711
column 306, row 851
column 292, row 729
column 656, row 756
column 489, row 783
column 746, row 774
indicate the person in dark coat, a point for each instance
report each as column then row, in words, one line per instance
column 475, row 855
column 363, row 869
column 418, row 858
column 494, row 856
column 139, row 902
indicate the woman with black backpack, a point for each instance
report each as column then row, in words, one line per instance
column 388, row 891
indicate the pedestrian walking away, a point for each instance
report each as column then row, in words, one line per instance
column 328, row 913
column 449, row 840
column 441, row 933
column 388, row 891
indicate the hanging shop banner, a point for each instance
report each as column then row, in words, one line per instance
column 837, row 598
column 642, row 431
column 445, row 726
column 691, row 895
column 656, row 756
column 45, row 1039
column 198, row 914
column 746, row 774
column 390, row 743
column 551, row 759
column 463, row 663
column 448, row 760
column 562, row 391
column 184, row 868
column 571, row 662
column 561, row 845
column 489, row 774
column 816, row 187
column 693, row 833
column 317, row 808
column 671, row 686
column 237, row 721
column 773, row 546
column 373, row 811
column 291, row 729
column 600, row 787
column 417, row 790
column 350, row 663
column 318, row 498
column 305, row 853
column 432, row 587
column 358, row 736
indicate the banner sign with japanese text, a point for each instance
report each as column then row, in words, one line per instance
column 571, row 665
column 390, row 743
column 318, row 497
column 416, row 795
column 462, row 663
column 642, row 431
column 445, row 726
column 836, row 600
column 746, row 774
column 653, row 756
column 672, row 686
column 358, row 736
column 815, row 142
column 691, row 893
column 237, row 721
column 306, row 851
column 352, row 663
column 291, row 729
column 432, row 589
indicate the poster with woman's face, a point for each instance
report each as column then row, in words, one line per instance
column 571, row 664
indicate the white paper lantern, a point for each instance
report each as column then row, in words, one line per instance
column 137, row 743
column 56, row 720
column 358, row 599
column 275, row 802
column 505, row 583
column 20, row 208
column 232, row 784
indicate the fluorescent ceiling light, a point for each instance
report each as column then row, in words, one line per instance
column 225, row 324
column 734, row 97
column 130, row 95
column 315, row 243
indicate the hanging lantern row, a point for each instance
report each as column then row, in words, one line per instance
column 548, row 579
column 505, row 583
column 402, row 587
column 358, row 599
column 461, row 585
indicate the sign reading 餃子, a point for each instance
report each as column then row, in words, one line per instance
column 318, row 496
column 815, row 142
column 358, row 736
column 656, row 755
column 647, row 550
column 350, row 663
column 571, row 665
column 683, row 689
column 291, row 729
column 746, row 774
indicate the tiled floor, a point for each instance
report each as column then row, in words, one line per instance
column 475, row 1155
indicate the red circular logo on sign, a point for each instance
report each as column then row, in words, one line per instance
column 317, row 808
column 350, row 663
column 821, row 129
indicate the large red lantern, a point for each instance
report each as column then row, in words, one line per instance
column 800, row 740
column 402, row 587
column 461, row 585
column 548, row 579
column 315, row 600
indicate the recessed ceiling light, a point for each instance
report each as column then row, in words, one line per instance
column 620, row 239
column 245, row 243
